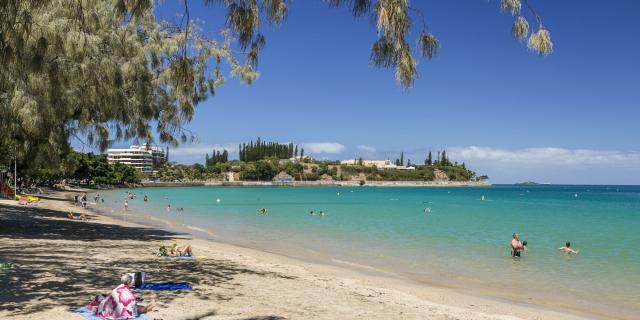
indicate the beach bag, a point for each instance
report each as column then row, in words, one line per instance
column 138, row 279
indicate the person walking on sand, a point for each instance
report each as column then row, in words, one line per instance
column 516, row 245
column 84, row 200
column 567, row 249
column 126, row 205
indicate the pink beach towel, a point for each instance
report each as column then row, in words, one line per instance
column 119, row 305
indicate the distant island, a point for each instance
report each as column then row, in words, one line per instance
column 527, row 183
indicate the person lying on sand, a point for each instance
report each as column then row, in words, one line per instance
column 184, row 251
column 567, row 249
column 120, row 303
column 81, row 216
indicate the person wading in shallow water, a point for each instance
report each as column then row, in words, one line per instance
column 516, row 245
column 567, row 249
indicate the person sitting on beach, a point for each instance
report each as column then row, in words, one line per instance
column 516, row 245
column 567, row 249
column 184, row 251
column 120, row 303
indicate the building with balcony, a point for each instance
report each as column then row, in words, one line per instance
column 142, row 158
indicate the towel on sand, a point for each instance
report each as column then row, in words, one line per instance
column 178, row 257
column 91, row 316
column 165, row 286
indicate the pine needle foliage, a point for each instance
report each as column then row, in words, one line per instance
column 429, row 45
column 97, row 71
column 520, row 28
column 512, row 6
column 540, row 42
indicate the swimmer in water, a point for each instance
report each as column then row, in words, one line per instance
column 169, row 208
column 427, row 210
column 322, row 213
column 567, row 249
column 313, row 213
column 263, row 211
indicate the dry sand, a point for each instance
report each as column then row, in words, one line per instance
column 62, row 264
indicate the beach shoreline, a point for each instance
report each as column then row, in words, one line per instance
column 323, row 287
column 321, row 183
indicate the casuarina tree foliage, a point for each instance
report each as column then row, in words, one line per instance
column 98, row 71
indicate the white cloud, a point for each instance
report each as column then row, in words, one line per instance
column 549, row 156
column 324, row 147
column 366, row 148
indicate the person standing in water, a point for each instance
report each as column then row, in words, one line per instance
column 126, row 205
column 145, row 198
column 516, row 245
column 567, row 249
column 169, row 208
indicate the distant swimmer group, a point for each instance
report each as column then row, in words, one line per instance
column 518, row 247
column 321, row 213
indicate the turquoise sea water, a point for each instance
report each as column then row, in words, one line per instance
column 462, row 242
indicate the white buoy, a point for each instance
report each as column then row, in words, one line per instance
column 482, row 198
column 218, row 200
column 338, row 193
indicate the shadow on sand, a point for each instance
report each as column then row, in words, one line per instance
column 63, row 263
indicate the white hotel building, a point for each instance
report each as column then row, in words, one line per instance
column 139, row 157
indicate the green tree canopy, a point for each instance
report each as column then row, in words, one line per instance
column 106, row 70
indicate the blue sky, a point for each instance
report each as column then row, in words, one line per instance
column 569, row 118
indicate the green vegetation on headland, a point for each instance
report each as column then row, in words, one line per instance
column 273, row 162
column 265, row 161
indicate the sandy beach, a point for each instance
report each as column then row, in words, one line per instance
column 62, row 264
